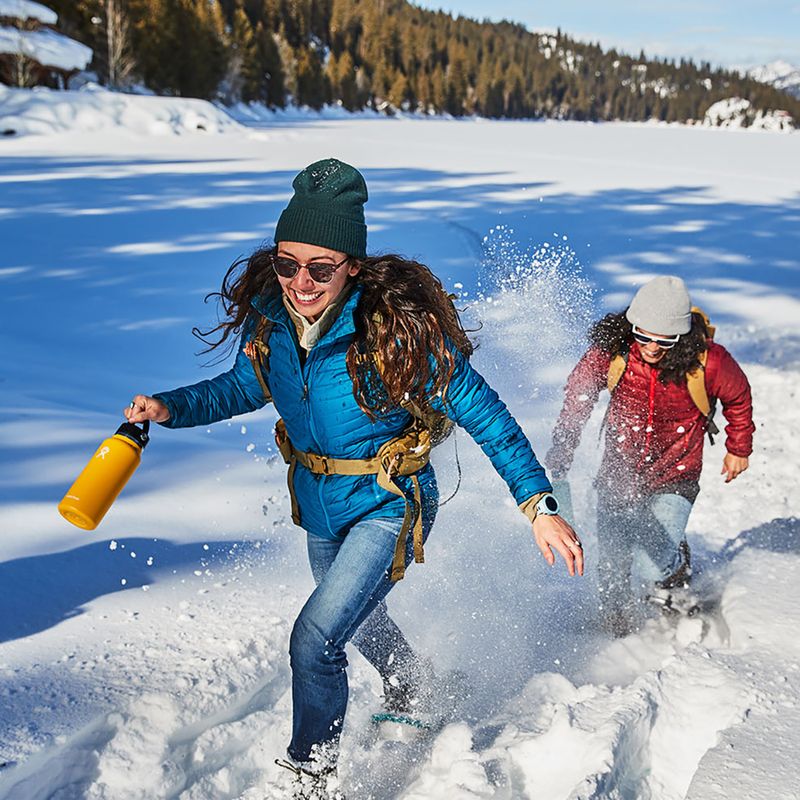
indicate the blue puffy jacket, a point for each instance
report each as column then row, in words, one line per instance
column 316, row 401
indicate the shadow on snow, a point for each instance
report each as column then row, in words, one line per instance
column 38, row 592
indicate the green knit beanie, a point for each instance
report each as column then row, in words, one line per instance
column 327, row 209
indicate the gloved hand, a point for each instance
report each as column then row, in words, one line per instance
column 563, row 494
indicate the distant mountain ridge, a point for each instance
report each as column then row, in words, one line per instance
column 780, row 74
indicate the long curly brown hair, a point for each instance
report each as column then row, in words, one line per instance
column 614, row 334
column 403, row 323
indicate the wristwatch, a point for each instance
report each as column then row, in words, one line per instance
column 547, row 505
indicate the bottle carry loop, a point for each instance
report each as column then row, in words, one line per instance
column 139, row 436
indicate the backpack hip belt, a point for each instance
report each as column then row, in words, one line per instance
column 405, row 455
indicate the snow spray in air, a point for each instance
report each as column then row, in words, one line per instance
column 103, row 478
column 535, row 305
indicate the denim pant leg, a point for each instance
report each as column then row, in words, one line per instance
column 377, row 638
column 354, row 582
column 616, row 534
column 655, row 525
column 666, row 517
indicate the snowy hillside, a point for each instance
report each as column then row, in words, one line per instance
column 148, row 659
column 781, row 74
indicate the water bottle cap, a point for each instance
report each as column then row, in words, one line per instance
column 139, row 436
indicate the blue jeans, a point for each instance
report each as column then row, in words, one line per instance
column 652, row 527
column 352, row 578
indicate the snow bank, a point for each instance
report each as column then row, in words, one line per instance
column 256, row 113
column 48, row 47
column 736, row 112
column 44, row 111
column 27, row 9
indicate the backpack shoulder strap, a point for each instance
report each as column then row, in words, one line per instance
column 696, row 383
column 257, row 350
column 616, row 369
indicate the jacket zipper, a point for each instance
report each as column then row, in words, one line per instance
column 650, row 413
column 305, row 375
column 305, row 372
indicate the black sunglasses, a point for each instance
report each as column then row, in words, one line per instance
column 319, row 273
column 664, row 344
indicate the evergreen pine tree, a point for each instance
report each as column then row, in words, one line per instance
column 271, row 81
column 311, row 84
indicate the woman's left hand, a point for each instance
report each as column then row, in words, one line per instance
column 733, row 466
column 552, row 532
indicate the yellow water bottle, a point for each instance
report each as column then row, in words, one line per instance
column 104, row 477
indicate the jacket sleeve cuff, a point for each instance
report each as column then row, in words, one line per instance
column 739, row 452
column 167, row 401
column 528, row 507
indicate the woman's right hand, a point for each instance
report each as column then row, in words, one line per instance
column 143, row 408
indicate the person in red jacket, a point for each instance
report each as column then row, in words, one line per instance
column 654, row 435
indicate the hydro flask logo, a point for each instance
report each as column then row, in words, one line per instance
column 103, row 453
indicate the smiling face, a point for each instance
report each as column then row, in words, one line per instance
column 651, row 352
column 307, row 296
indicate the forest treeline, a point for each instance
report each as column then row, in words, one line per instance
column 389, row 54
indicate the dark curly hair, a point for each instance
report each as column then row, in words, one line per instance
column 403, row 321
column 614, row 334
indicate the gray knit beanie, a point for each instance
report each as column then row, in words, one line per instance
column 663, row 306
column 327, row 209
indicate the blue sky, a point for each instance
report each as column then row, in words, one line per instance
column 732, row 33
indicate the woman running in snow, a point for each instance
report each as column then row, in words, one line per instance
column 664, row 372
column 362, row 357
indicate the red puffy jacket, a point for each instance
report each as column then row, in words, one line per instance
column 654, row 432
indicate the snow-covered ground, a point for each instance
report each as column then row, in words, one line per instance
column 148, row 659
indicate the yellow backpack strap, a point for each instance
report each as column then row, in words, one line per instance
column 406, row 455
column 616, row 369
column 696, row 382
column 257, row 350
column 288, row 453
column 412, row 520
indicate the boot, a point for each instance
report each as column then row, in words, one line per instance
column 679, row 578
column 431, row 697
column 399, row 697
column 618, row 622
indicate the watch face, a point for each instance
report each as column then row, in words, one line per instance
column 551, row 504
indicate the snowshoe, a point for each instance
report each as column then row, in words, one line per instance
column 400, row 727
column 674, row 602
column 311, row 784
column 412, row 712
column 401, row 719
column 671, row 594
